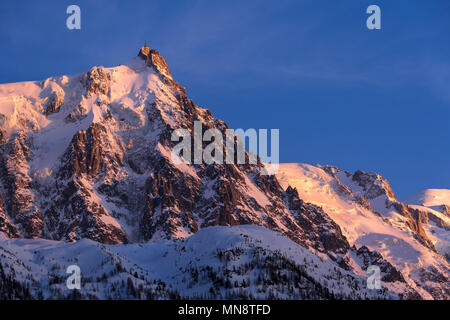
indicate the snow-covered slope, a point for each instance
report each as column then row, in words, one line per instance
column 366, row 209
column 237, row 262
column 431, row 198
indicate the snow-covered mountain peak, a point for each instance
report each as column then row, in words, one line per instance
column 88, row 156
column 98, row 164
column 366, row 209
column 430, row 198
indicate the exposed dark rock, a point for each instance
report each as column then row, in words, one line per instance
column 316, row 226
column 445, row 209
column 414, row 222
column 78, row 113
column 54, row 102
column 19, row 198
column 96, row 81
column 388, row 272
column 5, row 225
column 155, row 60
column 373, row 185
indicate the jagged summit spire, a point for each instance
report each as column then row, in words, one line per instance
column 152, row 58
column 145, row 50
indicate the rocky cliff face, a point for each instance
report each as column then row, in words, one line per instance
column 19, row 196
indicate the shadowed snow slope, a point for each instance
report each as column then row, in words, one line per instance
column 217, row 262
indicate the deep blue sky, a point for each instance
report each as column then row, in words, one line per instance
column 339, row 93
